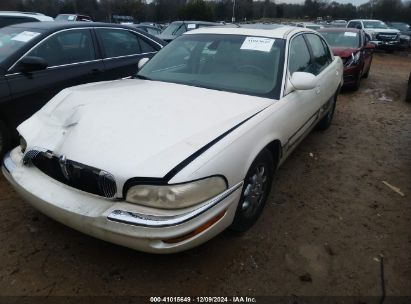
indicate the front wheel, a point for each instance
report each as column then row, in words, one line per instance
column 4, row 139
column 256, row 188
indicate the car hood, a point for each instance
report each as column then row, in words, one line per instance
column 343, row 52
column 136, row 128
column 369, row 30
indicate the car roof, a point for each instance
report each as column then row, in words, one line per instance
column 53, row 26
column 196, row 22
column 365, row 20
column 280, row 32
column 37, row 16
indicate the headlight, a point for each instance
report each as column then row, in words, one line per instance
column 373, row 36
column 176, row 196
column 353, row 60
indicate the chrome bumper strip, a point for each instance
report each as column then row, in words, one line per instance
column 138, row 219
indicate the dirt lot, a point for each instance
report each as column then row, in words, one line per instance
column 328, row 220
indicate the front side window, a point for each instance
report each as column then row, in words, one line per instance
column 117, row 43
column 354, row 24
column 66, row 47
column 153, row 31
column 320, row 53
column 234, row 63
column 300, row 58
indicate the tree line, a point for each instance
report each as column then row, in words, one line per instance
column 217, row 10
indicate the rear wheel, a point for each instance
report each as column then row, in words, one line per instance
column 257, row 186
column 368, row 71
column 325, row 122
column 408, row 97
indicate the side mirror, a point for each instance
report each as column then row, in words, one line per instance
column 142, row 62
column 303, row 81
column 31, row 64
column 370, row 46
column 358, row 26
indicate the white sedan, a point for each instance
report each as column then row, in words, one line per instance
column 167, row 160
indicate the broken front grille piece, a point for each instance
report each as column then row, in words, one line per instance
column 73, row 174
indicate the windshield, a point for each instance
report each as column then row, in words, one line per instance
column 342, row 39
column 174, row 29
column 375, row 25
column 234, row 63
column 14, row 38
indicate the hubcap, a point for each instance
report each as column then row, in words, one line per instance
column 254, row 191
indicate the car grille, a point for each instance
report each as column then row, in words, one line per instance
column 386, row 36
column 73, row 174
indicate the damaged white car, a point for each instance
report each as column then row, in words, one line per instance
column 164, row 162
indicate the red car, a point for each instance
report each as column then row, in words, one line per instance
column 353, row 46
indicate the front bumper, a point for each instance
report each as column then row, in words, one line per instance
column 391, row 45
column 351, row 75
column 119, row 222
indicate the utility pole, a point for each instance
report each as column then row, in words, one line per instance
column 233, row 18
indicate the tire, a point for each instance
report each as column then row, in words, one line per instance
column 408, row 97
column 5, row 139
column 257, row 186
column 368, row 71
column 325, row 122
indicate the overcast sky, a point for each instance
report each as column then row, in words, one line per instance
column 354, row 2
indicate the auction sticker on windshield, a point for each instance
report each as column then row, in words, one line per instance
column 258, row 44
column 25, row 36
column 350, row 34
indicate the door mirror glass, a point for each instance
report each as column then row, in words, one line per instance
column 142, row 62
column 32, row 63
column 303, row 81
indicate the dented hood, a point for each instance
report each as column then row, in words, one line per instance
column 135, row 128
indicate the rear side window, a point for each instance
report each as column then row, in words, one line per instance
column 146, row 47
column 320, row 52
column 300, row 58
column 117, row 43
column 66, row 47
column 153, row 31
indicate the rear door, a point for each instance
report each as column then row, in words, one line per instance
column 122, row 49
column 71, row 59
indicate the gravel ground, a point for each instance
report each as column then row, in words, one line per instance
column 328, row 221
